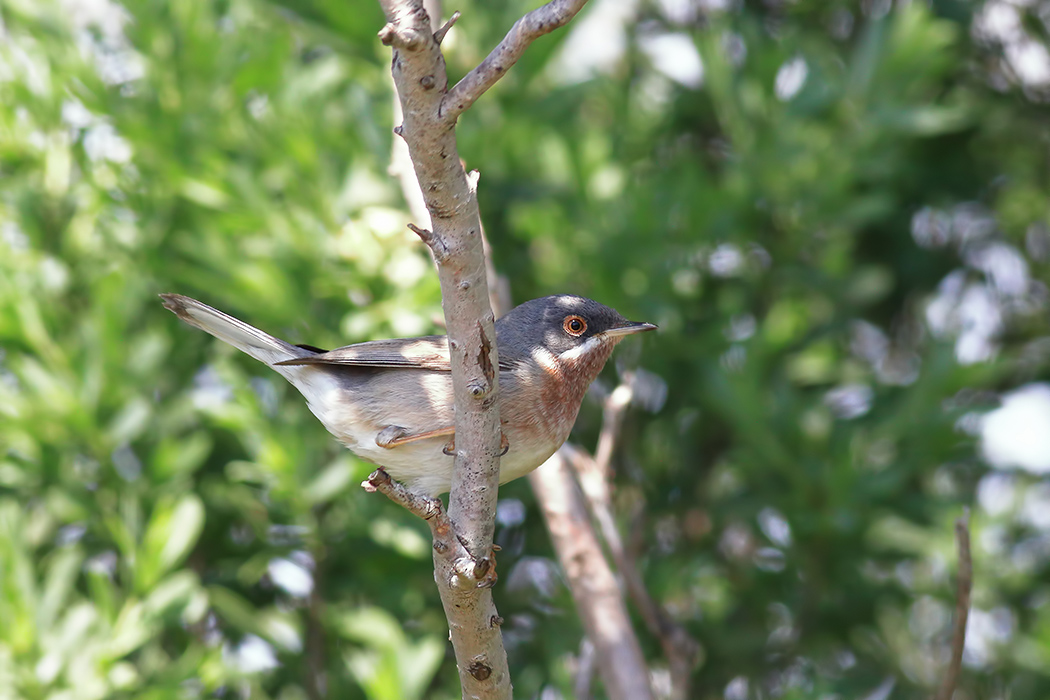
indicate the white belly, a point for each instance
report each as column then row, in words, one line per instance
column 422, row 465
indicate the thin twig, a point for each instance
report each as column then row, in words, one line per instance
column 594, row 472
column 962, row 607
column 613, row 412
column 464, row 571
column 679, row 647
column 542, row 20
column 439, row 35
column 422, row 506
column 499, row 285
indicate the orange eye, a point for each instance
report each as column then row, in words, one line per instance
column 574, row 326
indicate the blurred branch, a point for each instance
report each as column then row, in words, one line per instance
column 613, row 410
column 581, row 686
column 594, row 588
column 499, row 285
column 542, row 20
column 962, row 607
column 594, row 474
column 679, row 647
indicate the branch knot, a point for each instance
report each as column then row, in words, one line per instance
column 406, row 39
column 480, row 669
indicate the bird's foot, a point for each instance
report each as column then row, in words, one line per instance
column 394, row 435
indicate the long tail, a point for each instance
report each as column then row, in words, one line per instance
column 254, row 342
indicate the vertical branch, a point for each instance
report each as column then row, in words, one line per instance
column 463, row 565
column 962, row 607
column 581, row 686
column 465, row 596
column 462, row 556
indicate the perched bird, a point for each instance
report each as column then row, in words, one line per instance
column 390, row 401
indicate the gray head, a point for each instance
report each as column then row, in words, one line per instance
column 569, row 327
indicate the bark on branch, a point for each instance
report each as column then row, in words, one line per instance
column 463, row 562
column 463, row 536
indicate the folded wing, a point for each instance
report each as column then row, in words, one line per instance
column 429, row 352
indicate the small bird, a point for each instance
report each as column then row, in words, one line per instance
column 390, row 401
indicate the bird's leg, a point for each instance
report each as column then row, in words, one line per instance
column 394, row 435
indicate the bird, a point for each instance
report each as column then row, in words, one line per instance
column 391, row 402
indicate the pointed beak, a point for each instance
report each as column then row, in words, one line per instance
column 629, row 328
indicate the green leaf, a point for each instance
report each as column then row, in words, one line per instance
column 172, row 594
column 180, row 456
column 331, row 482
column 391, row 666
column 172, row 532
column 237, row 611
column 61, row 577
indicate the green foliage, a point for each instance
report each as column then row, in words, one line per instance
column 392, row 666
column 805, row 222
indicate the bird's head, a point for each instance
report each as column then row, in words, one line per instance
column 568, row 334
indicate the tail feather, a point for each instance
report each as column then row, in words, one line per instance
column 247, row 339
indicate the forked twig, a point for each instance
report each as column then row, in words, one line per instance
column 542, row 20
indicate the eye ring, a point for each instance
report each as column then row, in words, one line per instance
column 574, row 326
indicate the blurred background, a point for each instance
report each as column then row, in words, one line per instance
column 836, row 211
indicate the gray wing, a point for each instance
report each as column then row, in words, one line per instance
column 430, row 352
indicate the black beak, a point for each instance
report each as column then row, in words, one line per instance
column 630, row 328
